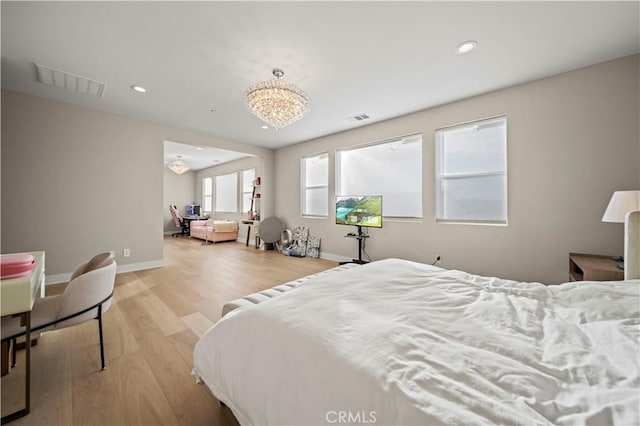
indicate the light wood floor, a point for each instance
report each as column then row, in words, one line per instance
column 150, row 331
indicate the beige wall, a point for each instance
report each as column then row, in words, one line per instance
column 573, row 139
column 74, row 181
column 179, row 190
column 71, row 177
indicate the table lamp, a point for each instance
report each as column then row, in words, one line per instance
column 621, row 204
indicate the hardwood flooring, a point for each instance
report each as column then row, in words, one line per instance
column 150, row 330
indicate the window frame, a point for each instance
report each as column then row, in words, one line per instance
column 304, row 187
column 389, row 141
column 441, row 178
column 204, row 194
column 243, row 192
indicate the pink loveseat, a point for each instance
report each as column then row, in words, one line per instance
column 214, row 230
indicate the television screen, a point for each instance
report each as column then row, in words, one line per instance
column 359, row 211
column 193, row 210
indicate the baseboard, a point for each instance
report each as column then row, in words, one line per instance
column 131, row 267
column 335, row 257
column 141, row 266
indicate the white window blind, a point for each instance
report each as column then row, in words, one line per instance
column 227, row 193
column 392, row 169
column 315, row 185
column 471, row 172
column 207, row 193
column 248, row 176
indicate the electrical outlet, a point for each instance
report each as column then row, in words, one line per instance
column 126, row 252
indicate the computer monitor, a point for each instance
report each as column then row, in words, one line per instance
column 193, row 210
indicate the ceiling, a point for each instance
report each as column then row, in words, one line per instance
column 383, row 59
column 199, row 157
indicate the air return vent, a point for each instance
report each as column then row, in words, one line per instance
column 358, row 118
column 67, row 80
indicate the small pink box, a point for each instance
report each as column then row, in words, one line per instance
column 16, row 265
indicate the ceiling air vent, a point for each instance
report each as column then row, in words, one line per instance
column 66, row 80
column 358, row 118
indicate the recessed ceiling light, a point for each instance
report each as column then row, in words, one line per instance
column 264, row 127
column 139, row 89
column 466, row 47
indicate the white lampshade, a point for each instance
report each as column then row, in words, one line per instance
column 621, row 203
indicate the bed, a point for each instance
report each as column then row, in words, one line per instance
column 214, row 230
column 398, row 342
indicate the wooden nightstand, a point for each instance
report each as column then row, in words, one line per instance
column 593, row 267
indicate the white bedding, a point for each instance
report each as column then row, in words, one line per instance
column 397, row 342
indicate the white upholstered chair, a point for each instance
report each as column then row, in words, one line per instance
column 86, row 297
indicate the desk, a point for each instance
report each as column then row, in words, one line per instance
column 255, row 223
column 18, row 296
column 188, row 219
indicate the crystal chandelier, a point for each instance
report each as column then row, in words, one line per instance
column 179, row 166
column 277, row 102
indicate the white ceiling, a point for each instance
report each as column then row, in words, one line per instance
column 384, row 59
column 199, row 157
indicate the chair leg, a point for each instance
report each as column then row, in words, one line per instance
column 101, row 339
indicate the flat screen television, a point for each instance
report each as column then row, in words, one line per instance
column 359, row 210
column 193, row 210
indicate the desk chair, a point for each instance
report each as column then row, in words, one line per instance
column 179, row 221
column 86, row 297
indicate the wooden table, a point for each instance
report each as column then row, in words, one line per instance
column 18, row 296
column 256, row 224
column 593, row 267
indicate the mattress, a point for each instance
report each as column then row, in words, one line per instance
column 398, row 342
column 225, row 226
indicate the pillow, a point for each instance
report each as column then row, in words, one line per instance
column 98, row 261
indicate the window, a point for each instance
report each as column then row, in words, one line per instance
column 248, row 176
column 315, row 185
column 207, row 192
column 227, row 193
column 392, row 169
column 471, row 172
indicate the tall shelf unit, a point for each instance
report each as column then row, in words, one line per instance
column 254, row 213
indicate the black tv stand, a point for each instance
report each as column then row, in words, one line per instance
column 360, row 236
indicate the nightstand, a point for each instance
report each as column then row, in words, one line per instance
column 593, row 267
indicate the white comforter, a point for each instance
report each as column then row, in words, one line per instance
column 397, row 342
